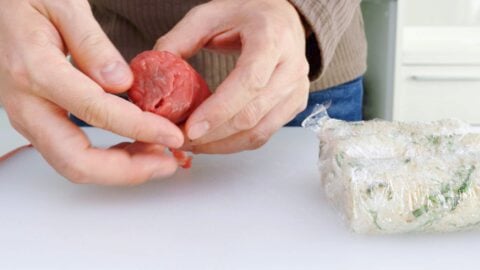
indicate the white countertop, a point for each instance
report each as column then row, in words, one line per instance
column 9, row 138
column 255, row 210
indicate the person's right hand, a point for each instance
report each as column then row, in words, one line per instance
column 38, row 86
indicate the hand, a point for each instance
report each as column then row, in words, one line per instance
column 38, row 86
column 269, row 85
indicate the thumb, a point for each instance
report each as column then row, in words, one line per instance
column 194, row 31
column 90, row 47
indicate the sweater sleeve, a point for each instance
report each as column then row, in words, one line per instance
column 328, row 20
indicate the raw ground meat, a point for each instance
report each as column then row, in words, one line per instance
column 167, row 85
column 183, row 159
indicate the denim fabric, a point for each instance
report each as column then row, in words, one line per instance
column 77, row 121
column 346, row 102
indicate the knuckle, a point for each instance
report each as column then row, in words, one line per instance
column 252, row 81
column 273, row 34
column 247, row 118
column 15, row 119
column 14, row 116
column 20, row 114
column 138, row 131
column 93, row 113
column 257, row 139
column 91, row 39
column 304, row 68
column 217, row 119
column 273, row 46
column 40, row 38
column 60, row 11
column 264, row 7
column 273, row 40
column 260, row 14
column 17, row 70
column 15, row 123
column 41, row 82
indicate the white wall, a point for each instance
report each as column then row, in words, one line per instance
column 442, row 13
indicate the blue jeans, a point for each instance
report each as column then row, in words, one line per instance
column 346, row 102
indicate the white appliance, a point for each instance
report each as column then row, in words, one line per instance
column 434, row 71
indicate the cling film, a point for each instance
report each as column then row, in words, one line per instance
column 400, row 177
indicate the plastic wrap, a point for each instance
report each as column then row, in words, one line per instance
column 398, row 177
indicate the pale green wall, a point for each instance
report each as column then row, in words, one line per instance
column 380, row 21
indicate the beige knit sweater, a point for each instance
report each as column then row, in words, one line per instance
column 336, row 50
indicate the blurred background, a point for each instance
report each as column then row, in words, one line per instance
column 424, row 60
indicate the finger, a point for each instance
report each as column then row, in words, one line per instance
column 75, row 92
column 136, row 147
column 139, row 147
column 67, row 149
column 251, row 75
column 260, row 134
column 121, row 145
column 227, row 42
column 89, row 46
column 194, row 31
column 280, row 86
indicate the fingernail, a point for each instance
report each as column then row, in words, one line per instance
column 198, row 130
column 115, row 73
column 171, row 141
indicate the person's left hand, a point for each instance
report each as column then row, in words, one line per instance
column 269, row 85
